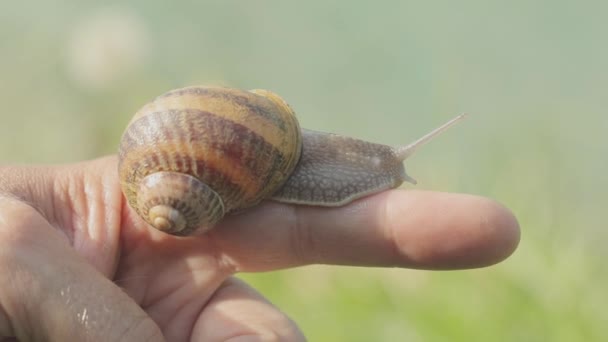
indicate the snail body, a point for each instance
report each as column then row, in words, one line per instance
column 195, row 154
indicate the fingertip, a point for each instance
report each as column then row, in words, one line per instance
column 503, row 231
column 434, row 230
column 490, row 232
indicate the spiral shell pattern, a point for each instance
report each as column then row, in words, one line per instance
column 241, row 144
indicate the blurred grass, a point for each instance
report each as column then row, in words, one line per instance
column 532, row 74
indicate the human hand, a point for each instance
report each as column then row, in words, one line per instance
column 79, row 265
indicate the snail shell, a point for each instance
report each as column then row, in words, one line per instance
column 195, row 154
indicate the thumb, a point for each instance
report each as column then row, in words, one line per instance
column 49, row 292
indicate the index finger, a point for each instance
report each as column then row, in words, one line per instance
column 415, row 229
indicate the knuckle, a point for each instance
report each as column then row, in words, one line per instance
column 18, row 222
column 302, row 240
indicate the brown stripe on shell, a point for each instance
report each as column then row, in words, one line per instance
column 203, row 136
column 247, row 149
column 240, row 97
column 262, row 111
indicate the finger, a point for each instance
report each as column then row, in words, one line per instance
column 416, row 229
column 238, row 313
column 82, row 200
column 49, row 292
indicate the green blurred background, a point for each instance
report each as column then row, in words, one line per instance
column 533, row 76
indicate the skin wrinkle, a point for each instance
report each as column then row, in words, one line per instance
column 13, row 188
column 390, row 232
column 95, row 200
column 86, row 240
column 61, row 202
column 6, row 326
column 101, row 232
column 44, row 189
column 129, row 261
column 125, row 254
column 200, row 311
column 169, row 297
column 415, row 249
column 413, row 252
column 80, row 208
column 54, row 210
column 128, row 332
column 19, row 312
column 112, row 200
column 172, row 329
column 145, row 300
column 252, row 338
column 266, row 335
column 171, row 310
column 301, row 239
column 214, row 302
column 224, row 263
column 243, row 295
column 189, row 309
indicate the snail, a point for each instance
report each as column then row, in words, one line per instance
column 195, row 154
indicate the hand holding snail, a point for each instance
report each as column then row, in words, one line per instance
column 195, row 154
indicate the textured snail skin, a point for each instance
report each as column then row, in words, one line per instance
column 195, row 154
column 335, row 170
